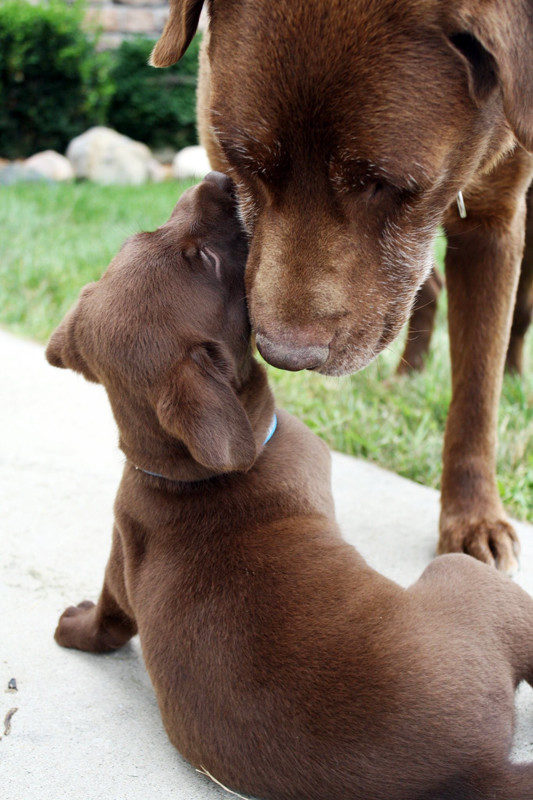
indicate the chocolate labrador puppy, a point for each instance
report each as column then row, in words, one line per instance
column 352, row 129
column 284, row 666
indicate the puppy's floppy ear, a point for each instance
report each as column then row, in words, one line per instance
column 496, row 38
column 63, row 348
column 198, row 405
column 178, row 32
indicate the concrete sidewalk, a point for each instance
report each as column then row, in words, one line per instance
column 87, row 727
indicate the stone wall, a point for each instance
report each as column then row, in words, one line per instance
column 120, row 19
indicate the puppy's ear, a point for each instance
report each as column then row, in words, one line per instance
column 178, row 32
column 63, row 349
column 198, row 405
column 495, row 40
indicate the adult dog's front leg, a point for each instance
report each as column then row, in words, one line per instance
column 482, row 268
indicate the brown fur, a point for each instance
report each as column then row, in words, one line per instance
column 349, row 128
column 523, row 312
column 283, row 664
column 421, row 324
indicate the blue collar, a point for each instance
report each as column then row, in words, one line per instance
column 270, row 433
column 271, row 430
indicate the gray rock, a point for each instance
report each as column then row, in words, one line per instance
column 50, row 165
column 159, row 172
column 165, row 155
column 18, row 172
column 191, row 162
column 105, row 156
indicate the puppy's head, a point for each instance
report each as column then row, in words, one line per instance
column 166, row 331
column 349, row 128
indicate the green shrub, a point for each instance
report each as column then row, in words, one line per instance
column 53, row 84
column 155, row 106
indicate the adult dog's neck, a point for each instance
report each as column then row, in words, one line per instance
column 157, row 456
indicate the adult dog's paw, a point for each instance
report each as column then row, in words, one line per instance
column 77, row 628
column 491, row 540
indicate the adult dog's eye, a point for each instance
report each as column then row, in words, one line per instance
column 381, row 191
column 366, row 187
column 374, row 189
column 211, row 261
column 371, row 190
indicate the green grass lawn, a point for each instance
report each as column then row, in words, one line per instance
column 56, row 238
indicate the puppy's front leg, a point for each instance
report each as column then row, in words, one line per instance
column 482, row 268
column 105, row 626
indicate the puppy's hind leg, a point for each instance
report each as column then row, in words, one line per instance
column 511, row 614
column 512, row 782
column 508, row 782
column 519, row 782
column 492, row 605
column 105, row 626
column 521, row 636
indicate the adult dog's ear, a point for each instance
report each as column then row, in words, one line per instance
column 63, row 349
column 496, row 39
column 178, row 32
column 198, row 405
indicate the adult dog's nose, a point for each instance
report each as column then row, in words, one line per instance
column 291, row 357
column 222, row 181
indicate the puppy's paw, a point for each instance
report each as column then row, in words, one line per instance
column 491, row 540
column 77, row 628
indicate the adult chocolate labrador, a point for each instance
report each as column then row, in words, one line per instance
column 351, row 128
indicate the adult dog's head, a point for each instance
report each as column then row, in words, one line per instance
column 349, row 127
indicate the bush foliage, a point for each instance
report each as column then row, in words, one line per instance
column 155, row 106
column 54, row 84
